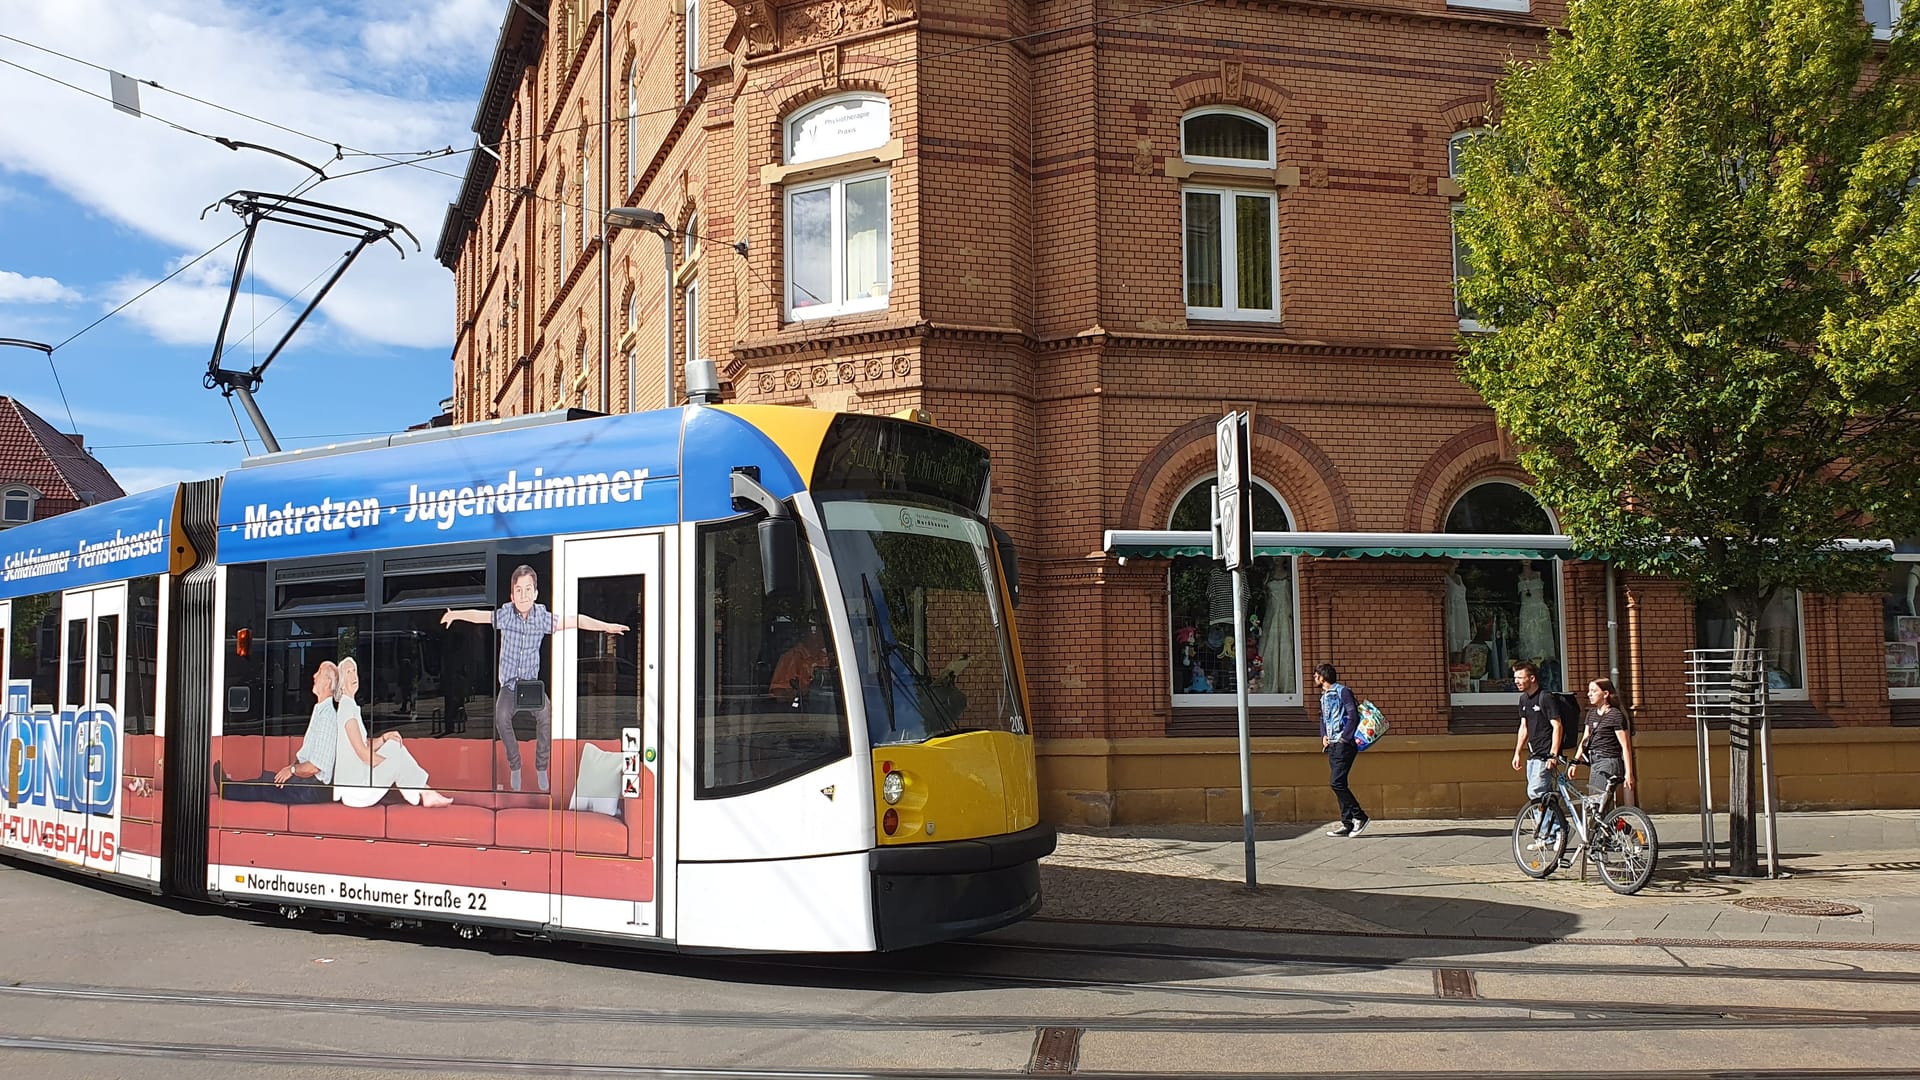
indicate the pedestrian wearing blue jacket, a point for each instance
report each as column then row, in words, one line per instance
column 1339, row 719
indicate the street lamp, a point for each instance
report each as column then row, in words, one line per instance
column 653, row 221
column 23, row 343
column 43, row 347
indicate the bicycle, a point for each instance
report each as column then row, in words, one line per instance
column 1618, row 839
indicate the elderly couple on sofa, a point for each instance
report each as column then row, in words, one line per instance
column 336, row 760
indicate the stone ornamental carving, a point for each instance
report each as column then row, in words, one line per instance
column 897, row 11
column 830, row 66
column 757, row 18
column 828, row 19
column 1143, row 157
column 1230, row 79
column 832, row 373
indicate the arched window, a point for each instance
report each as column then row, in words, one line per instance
column 1232, row 240
column 16, row 505
column 1901, row 606
column 587, row 207
column 1200, row 606
column 690, row 292
column 560, row 240
column 1501, row 611
column 838, row 235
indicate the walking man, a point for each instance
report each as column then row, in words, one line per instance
column 1339, row 718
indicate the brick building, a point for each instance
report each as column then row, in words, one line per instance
column 1078, row 231
column 44, row 472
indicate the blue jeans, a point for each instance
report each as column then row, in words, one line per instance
column 1340, row 757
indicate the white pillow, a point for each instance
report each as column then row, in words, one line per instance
column 597, row 788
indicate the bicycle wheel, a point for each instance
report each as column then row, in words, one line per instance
column 1625, row 847
column 1539, row 836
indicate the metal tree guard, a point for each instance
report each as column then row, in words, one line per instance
column 1723, row 684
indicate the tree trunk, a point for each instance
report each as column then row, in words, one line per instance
column 1743, row 729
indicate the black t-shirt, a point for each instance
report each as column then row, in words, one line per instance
column 1603, row 742
column 1537, row 712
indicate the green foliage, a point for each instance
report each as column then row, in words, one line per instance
column 1693, row 230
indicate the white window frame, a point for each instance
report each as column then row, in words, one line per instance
column 1904, row 693
column 1243, row 114
column 1468, row 323
column 812, row 107
column 1230, row 309
column 690, row 306
column 1262, row 701
column 564, row 225
column 690, row 61
column 586, row 193
column 18, row 491
column 1800, row 643
column 1521, row 6
column 633, row 124
column 1885, row 33
column 839, row 303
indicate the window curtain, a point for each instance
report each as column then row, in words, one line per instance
column 1204, row 284
column 1218, row 135
column 1253, row 236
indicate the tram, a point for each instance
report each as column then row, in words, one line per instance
column 712, row 677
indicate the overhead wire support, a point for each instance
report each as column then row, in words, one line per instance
column 255, row 207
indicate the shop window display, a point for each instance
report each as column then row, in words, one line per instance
column 1779, row 638
column 1900, row 607
column 1200, row 593
column 1501, row 611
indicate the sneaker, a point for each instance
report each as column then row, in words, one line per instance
column 1539, row 845
column 1343, row 830
column 1360, row 826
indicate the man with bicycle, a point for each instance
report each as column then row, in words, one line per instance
column 1542, row 733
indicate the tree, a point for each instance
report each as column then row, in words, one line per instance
column 1692, row 230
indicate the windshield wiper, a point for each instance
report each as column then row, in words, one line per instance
column 886, row 653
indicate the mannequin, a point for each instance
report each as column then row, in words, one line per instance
column 1276, row 635
column 1459, row 622
column 1536, row 624
column 1913, row 586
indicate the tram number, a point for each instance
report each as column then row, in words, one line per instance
column 476, row 901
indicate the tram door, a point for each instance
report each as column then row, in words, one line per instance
column 609, row 705
column 91, row 686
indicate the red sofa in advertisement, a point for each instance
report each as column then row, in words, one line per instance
column 528, row 841
column 140, row 771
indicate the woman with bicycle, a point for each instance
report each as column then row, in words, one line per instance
column 1606, row 742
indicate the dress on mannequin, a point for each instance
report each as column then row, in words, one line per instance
column 1536, row 625
column 1459, row 621
column 1276, row 637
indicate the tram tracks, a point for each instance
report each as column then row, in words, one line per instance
column 230, row 1056
column 1440, row 1015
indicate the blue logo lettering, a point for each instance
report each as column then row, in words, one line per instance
column 67, row 760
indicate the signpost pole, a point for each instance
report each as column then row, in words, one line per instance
column 1232, row 449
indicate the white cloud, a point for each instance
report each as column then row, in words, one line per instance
column 311, row 69
column 137, row 478
column 20, row 289
column 442, row 29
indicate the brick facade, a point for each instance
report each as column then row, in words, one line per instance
column 1036, row 305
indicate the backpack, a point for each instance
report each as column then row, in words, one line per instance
column 1372, row 725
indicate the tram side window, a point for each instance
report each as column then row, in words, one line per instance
column 244, row 702
column 36, row 646
column 295, row 648
column 143, row 655
column 768, row 703
column 421, row 679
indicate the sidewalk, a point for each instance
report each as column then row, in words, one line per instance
column 1458, row 878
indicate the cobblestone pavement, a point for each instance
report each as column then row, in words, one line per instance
column 1458, row 878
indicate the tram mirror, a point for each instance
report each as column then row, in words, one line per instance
column 239, row 699
column 1009, row 562
column 779, row 564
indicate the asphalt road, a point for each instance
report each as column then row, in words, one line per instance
column 98, row 983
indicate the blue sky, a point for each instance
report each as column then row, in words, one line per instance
column 96, row 205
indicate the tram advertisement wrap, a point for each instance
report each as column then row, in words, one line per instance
column 59, row 780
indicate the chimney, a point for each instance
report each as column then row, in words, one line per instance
column 79, row 440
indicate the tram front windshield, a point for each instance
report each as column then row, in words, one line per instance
column 929, row 628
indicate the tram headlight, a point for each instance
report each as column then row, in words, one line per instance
column 892, row 786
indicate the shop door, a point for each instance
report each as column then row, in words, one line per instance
column 609, row 707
